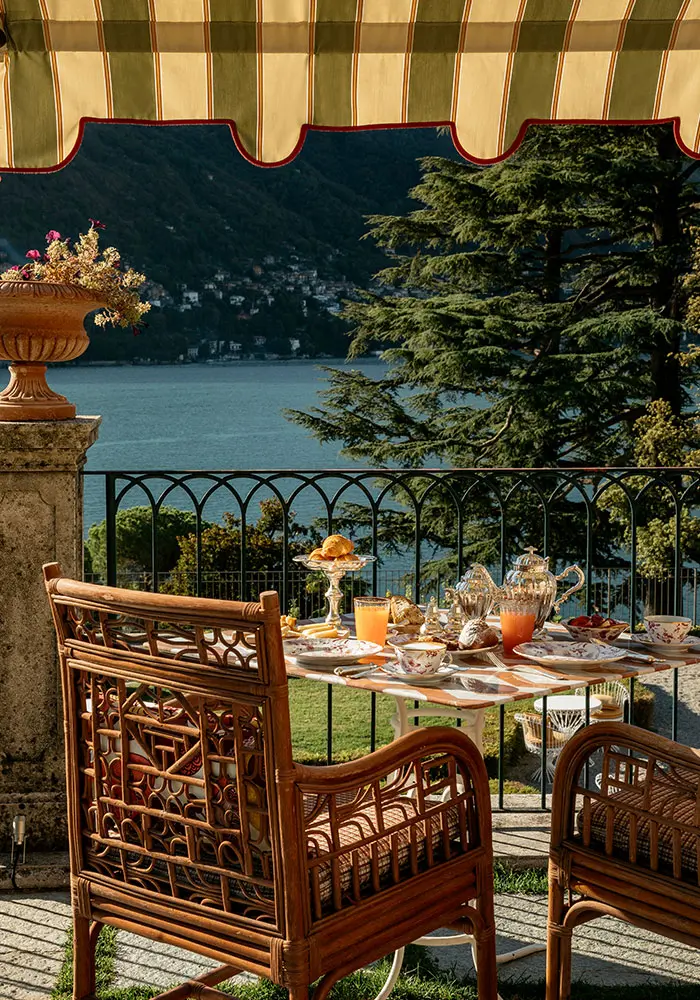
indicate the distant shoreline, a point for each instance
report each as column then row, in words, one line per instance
column 210, row 364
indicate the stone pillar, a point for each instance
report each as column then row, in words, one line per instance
column 41, row 520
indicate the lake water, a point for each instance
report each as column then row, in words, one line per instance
column 211, row 417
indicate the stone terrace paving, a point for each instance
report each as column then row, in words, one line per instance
column 34, row 924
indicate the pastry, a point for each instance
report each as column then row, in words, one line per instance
column 317, row 554
column 476, row 634
column 405, row 612
column 451, row 640
column 336, row 546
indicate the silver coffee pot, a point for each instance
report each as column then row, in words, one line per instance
column 532, row 580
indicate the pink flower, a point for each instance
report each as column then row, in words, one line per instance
column 33, row 255
column 96, row 224
column 52, row 235
column 15, row 267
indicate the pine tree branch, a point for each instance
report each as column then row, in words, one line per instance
column 481, row 446
column 634, row 412
column 599, row 289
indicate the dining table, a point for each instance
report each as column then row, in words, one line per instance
column 484, row 680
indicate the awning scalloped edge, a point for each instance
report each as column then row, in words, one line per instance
column 484, row 72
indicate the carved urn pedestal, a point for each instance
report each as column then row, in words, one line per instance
column 40, row 322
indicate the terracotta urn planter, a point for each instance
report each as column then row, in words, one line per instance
column 40, row 322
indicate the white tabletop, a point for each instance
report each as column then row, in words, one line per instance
column 567, row 703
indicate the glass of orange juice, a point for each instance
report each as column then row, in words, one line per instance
column 372, row 618
column 517, row 622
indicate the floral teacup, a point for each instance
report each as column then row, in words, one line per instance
column 668, row 629
column 422, row 657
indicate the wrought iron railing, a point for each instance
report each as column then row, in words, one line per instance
column 425, row 526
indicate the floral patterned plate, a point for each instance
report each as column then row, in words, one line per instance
column 322, row 653
column 569, row 654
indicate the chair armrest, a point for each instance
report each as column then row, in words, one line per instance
column 640, row 769
column 419, row 802
column 427, row 740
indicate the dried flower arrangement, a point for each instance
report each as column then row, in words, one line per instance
column 83, row 263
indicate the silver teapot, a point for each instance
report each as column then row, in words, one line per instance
column 531, row 580
column 475, row 594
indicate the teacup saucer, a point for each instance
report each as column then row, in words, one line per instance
column 420, row 680
column 644, row 639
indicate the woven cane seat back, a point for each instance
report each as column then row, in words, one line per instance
column 175, row 749
column 648, row 814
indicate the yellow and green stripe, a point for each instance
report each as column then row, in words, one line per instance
column 646, row 37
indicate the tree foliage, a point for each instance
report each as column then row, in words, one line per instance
column 134, row 539
column 661, row 439
column 532, row 308
column 219, row 552
column 531, row 311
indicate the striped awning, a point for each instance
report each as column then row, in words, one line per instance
column 273, row 68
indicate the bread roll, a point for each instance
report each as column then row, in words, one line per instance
column 405, row 612
column 476, row 634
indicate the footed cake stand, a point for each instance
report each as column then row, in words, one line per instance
column 335, row 570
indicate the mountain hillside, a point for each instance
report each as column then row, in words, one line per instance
column 183, row 206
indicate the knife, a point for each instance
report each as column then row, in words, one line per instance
column 357, row 671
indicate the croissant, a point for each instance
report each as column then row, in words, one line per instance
column 335, row 546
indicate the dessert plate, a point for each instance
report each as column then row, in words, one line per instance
column 462, row 655
column 570, row 654
column 323, row 653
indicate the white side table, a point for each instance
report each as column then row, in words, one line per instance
column 567, row 711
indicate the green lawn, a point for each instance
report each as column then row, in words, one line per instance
column 351, row 723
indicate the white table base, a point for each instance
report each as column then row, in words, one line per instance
column 472, row 720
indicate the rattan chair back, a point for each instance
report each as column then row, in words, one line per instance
column 190, row 823
column 177, row 720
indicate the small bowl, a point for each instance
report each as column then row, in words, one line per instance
column 589, row 633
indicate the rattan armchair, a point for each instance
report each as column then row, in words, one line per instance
column 629, row 849
column 556, row 735
column 191, row 824
column 614, row 701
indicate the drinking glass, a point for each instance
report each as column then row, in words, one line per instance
column 517, row 622
column 372, row 618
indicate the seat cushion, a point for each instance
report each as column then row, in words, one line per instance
column 608, row 713
column 672, row 802
column 358, row 839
